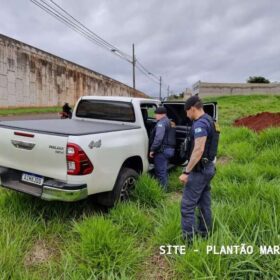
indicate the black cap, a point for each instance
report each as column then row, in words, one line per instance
column 160, row 110
column 191, row 101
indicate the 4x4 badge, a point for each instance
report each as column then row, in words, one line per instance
column 96, row 144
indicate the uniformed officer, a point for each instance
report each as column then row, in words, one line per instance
column 162, row 147
column 199, row 171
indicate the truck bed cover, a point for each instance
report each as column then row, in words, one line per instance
column 66, row 127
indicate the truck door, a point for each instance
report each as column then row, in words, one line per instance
column 176, row 112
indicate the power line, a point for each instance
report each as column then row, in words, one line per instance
column 63, row 16
column 153, row 75
column 146, row 70
column 81, row 24
column 76, row 27
column 146, row 74
column 65, row 21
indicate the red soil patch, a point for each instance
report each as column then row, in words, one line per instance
column 260, row 121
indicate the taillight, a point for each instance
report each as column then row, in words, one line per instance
column 77, row 161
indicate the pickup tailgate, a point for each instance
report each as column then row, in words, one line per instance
column 32, row 152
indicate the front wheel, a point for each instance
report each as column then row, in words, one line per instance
column 124, row 185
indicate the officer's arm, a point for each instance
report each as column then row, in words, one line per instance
column 160, row 131
column 199, row 145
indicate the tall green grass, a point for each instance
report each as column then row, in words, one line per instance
column 133, row 219
column 89, row 242
column 22, row 111
column 102, row 248
column 148, row 192
column 234, row 107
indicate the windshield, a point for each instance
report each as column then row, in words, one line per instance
column 106, row 110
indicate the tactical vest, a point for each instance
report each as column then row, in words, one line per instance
column 169, row 139
column 211, row 145
column 212, row 142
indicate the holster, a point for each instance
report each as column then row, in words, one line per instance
column 198, row 167
column 161, row 149
column 201, row 165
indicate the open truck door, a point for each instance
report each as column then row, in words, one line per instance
column 176, row 112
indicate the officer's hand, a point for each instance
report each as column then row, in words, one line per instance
column 184, row 178
column 152, row 154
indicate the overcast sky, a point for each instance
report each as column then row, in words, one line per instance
column 182, row 40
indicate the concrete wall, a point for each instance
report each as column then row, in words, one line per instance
column 218, row 89
column 30, row 77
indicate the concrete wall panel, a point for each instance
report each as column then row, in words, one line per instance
column 30, row 77
column 219, row 89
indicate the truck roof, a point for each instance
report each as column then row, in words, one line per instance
column 116, row 98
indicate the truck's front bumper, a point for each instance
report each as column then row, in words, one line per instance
column 51, row 189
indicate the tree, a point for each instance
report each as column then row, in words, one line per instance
column 258, row 80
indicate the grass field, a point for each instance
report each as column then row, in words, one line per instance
column 24, row 111
column 80, row 241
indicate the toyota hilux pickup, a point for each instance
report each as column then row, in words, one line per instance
column 100, row 151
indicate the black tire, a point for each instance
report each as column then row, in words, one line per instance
column 122, row 189
column 125, row 184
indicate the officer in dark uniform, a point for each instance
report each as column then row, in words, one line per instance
column 163, row 141
column 199, row 171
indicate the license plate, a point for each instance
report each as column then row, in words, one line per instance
column 33, row 179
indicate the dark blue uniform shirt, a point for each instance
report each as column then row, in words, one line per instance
column 161, row 130
column 202, row 127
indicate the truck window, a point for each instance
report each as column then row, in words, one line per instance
column 106, row 110
column 151, row 112
column 148, row 113
column 150, row 109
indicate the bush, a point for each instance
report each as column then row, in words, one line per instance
column 258, row 80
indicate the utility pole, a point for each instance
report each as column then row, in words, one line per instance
column 167, row 92
column 133, row 65
column 160, row 88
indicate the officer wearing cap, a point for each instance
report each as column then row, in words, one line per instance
column 199, row 171
column 162, row 146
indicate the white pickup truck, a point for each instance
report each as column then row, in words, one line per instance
column 101, row 150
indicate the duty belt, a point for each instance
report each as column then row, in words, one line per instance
column 205, row 160
column 168, row 146
column 201, row 164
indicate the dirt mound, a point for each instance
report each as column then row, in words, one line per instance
column 260, row 121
